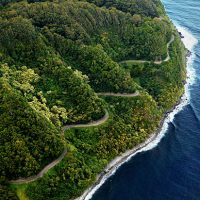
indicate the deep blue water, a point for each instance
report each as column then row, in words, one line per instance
column 170, row 171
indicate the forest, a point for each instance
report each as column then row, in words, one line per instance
column 56, row 57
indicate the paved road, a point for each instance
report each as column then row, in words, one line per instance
column 41, row 174
column 90, row 124
column 118, row 94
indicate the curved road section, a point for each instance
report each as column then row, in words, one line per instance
column 55, row 162
column 155, row 62
column 41, row 174
column 90, row 124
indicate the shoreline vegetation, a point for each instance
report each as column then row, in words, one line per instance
column 114, row 164
column 69, row 106
column 117, row 162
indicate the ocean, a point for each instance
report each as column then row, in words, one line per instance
column 169, row 167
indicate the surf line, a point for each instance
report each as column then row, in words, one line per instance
column 189, row 41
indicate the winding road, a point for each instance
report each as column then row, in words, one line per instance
column 90, row 124
column 148, row 61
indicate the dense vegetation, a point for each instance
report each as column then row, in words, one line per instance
column 55, row 56
column 152, row 8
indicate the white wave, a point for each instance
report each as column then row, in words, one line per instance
column 189, row 41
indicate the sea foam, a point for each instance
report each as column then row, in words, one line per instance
column 189, row 41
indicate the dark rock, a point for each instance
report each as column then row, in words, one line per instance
column 181, row 35
column 189, row 53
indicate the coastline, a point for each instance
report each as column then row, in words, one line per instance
column 114, row 164
column 151, row 141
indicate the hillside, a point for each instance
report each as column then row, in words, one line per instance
column 68, row 63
